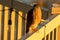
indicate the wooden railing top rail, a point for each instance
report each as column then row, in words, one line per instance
column 39, row 26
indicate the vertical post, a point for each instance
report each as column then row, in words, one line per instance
column 6, row 23
column 56, row 33
column 0, row 19
column 19, row 25
column 59, row 32
column 12, row 33
column 45, row 32
column 2, row 24
column 49, row 37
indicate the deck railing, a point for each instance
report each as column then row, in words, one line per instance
column 48, row 31
column 10, row 32
column 15, row 31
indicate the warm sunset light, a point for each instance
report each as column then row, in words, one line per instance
column 29, row 19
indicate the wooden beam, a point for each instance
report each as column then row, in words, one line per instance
column 55, row 10
column 18, row 6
